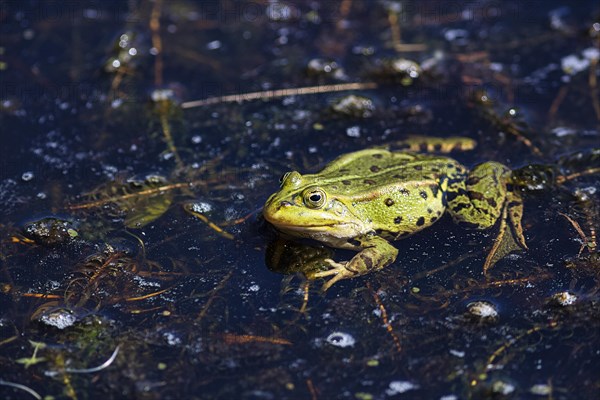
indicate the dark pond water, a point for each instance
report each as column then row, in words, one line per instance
column 135, row 262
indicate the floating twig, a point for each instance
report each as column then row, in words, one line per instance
column 232, row 338
column 564, row 178
column 190, row 209
column 21, row 387
column 146, row 192
column 147, row 296
column 42, row 295
column 271, row 94
column 100, row 367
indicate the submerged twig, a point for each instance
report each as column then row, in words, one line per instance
column 311, row 389
column 430, row 272
column 213, row 295
column 166, row 128
column 305, row 295
column 588, row 242
column 521, row 138
column 562, row 93
column 593, row 83
column 577, row 227
column 496, row 284
column 394, row 22
column 505, row 346
column 157, row 41
column 384, row 318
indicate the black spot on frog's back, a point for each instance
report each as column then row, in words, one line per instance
column 434, row 190
column 421, row 221
column 375, row 168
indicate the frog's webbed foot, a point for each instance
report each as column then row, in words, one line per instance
column 339, row 270
column 375, row 254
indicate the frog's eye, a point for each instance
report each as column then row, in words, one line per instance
column 283, row 177
column 314, row 198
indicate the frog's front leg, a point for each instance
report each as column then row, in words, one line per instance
column 376, row 253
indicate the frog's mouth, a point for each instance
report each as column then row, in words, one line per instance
column 315, row 227
column 335, row 229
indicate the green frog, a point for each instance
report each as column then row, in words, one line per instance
column 363, row 200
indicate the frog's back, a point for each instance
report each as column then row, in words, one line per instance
column 363, row 171
column 398, row 193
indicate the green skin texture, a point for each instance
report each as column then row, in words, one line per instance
column 363, row 200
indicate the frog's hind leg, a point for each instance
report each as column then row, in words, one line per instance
column 484, row 197
column 478, row 201
column 515, row 214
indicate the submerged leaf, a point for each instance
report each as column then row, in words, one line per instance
column 139, row 202
column 148, row 209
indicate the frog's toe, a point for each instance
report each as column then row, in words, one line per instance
column 335, row 269
column 338, row 269
column 341, row 275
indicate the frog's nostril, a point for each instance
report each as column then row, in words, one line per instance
column 285, row 204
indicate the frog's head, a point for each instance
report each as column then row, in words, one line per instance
column 305, row 207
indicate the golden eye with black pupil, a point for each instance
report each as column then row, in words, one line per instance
column 314, row 198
